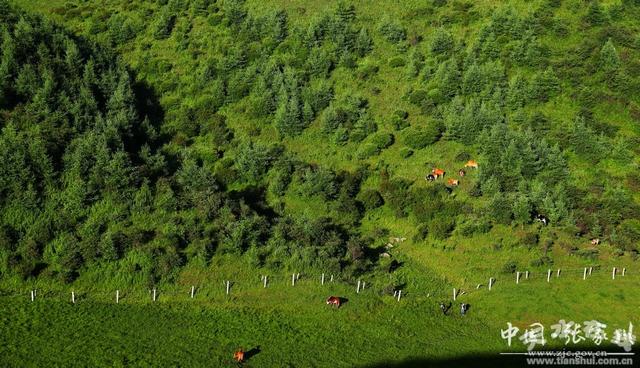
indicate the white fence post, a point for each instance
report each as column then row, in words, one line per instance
column 117, row 296
column 228, row 286
column 517, row 277
column 154, row 294
column 454, row 294
column 73, row 297
column 490, row 282
column 558, row 273
column 613, row 274
column 526, row 275
column 584, row 274
column 624, row 270
column 33, row 295
column 265, row 281
column 331, row 278
column 590, row 268
column 293, row 279
column 193, row 290
column 322, row 280
column 549, row 275
column 399, row 294
column 358, row 287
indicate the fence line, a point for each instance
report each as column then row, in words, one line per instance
column 618, row 275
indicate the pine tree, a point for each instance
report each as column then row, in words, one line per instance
column 595, row 14
column 521, row 210
column 609, row 59
column 442, row 42
column 364, row 43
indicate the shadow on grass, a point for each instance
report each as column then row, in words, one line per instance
column 497, row 360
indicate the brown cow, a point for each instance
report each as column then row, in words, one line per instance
column 472, row 164
column 239, row 356
column 453, row 182
column 334, row 300
column 437, row 173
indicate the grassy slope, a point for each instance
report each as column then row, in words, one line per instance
column 285, row 322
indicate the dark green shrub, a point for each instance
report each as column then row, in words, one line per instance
column 542, row 261
column 392, row 31
column 440, row 227
column 509, row 267
column 406, row 152
column 370, row 199
column 420, row 137
column 396, row 62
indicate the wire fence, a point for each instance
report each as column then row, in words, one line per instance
column 231, row 290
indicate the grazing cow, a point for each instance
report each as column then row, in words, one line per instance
column 471, row 164
column 464, row 307
column 461, row 172
column 430, row 177
column 453, row 182
column 334, row 300
column 543, row 219
column 438, row 173
column 595, row 241
column 445, row 308
column 239, row 356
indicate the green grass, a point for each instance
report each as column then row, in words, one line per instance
column 292, row 325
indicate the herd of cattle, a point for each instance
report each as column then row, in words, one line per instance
column 439, row 173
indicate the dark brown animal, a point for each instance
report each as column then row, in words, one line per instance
column 334, row 300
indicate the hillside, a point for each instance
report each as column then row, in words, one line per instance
column 162, row 144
